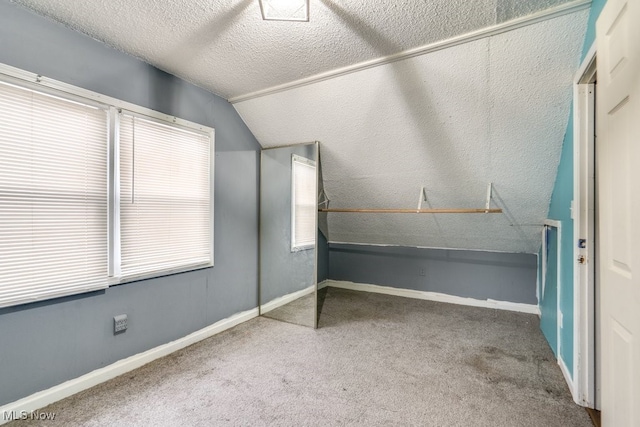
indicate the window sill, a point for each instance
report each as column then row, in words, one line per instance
column 115, row 281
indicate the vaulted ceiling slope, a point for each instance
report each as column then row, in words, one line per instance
column 489, row 111
column 224, row 45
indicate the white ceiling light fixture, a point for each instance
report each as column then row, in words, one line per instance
column 285, row 10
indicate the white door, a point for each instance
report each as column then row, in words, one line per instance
column 618, row 163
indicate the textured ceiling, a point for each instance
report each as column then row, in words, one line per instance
column 224, row 45
column 493, row 110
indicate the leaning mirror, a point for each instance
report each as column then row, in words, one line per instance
column 288, row 224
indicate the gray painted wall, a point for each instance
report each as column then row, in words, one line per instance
column 44, row 344
column 281, row 271
column 472, row 274
column 323, row 256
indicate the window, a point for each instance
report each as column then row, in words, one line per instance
column 53, row 196
column 165, row 197
column 303, row 203
column 95, row 191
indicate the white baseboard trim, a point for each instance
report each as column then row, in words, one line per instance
column 567, row 378
column 280, row 301
column 46, row 397
column 323, row 284
column 436, row 296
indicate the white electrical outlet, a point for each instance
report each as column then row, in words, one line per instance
column 120, row 323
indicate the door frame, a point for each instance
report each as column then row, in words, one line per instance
column 583, row 214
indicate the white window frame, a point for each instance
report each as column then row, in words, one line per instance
column 114, row 209
column 71, row 98
column 305, row 161
column 53, row 87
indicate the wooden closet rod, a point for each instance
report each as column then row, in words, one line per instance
column 433, row 211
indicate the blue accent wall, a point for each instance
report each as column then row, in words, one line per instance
column 590, row 36
column 47, row 343
column 549, row 314
column 559, row 209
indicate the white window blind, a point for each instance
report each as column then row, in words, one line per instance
column 303, row 203
column 165, row 197
column 53, row 196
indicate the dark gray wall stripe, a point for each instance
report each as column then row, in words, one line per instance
column 472, row 274
column 323, row 257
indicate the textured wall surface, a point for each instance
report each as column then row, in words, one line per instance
column 44, row 344
column 470, row 274
column 226, row 47
column 452, row 120
column 386, row 134
column 492, row 110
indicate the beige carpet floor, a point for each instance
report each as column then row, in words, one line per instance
column 376, row 360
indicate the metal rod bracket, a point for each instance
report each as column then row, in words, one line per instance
column 422, row 197
column 489, row 196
